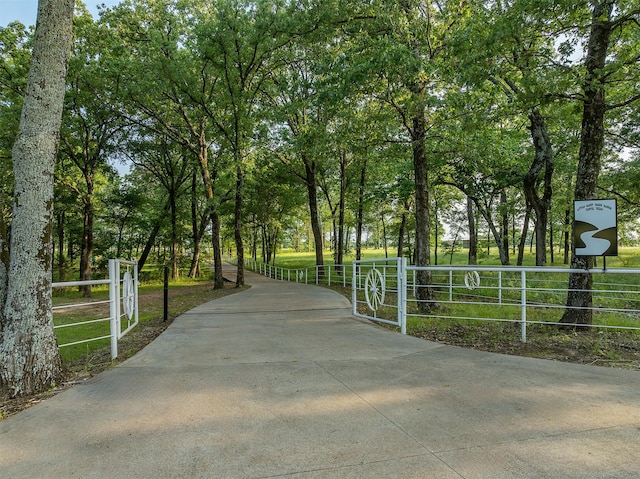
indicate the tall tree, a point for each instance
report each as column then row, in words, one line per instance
column 171, row 89
column 88, row 129
column 29, row 356
column 241, row 41
column 611, row 21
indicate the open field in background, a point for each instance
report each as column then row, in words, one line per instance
column 629, row 257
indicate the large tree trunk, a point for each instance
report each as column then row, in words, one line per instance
column 86, row 251
column 4, row 261
column 237, row 229
column 504, row 227
column 424, row 291
column 579, row 296
column 360, row 214
column 312, row 192
column 341, row 211
column 218, row 281
column 523, row 235
column 203, row 161
column 543, row 159
column 29, row 356
column 473, row 234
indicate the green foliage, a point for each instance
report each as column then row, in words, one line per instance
column 281, row 88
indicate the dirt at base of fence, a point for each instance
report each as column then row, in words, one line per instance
column 619, row 349
column 601, row 347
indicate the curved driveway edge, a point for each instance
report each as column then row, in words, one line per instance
column 280, row 381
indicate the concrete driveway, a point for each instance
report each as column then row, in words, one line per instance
column 279, row 381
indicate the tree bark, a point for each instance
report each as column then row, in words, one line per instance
column 360, row 214
column 4, row 262
column 504, row 227
column 86, row 250
column 424, row 291
column 523, row 235
column 312, row 193
column 29, row 356
column 203, row 162
column 237, row 229
column 473, row 235
column 579, row 296
column 543, row 160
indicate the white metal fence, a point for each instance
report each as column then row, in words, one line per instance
column 386, row 290
column 526, row 296
column 329, row 274
column 123, row 303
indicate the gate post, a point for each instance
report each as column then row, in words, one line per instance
column 523, row 305
column 402, row 293
column 353, row 288
column 114, row 289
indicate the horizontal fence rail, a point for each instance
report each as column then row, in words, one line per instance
column 328, row 274
column 123, row 305
column 388, row 290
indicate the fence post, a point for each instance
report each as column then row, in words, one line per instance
column 353, row 289
column 523, row 300
column 135, row 290
column 451, row 286
column 114, row 306
column 402, row 294
column 165, row 295
column 499, row 287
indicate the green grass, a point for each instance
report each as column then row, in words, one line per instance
column 628, row 257
column 294, row 260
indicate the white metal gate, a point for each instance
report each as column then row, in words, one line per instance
column 380, row 284
column 123, row 302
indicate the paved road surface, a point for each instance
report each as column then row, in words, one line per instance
column 279, row 381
